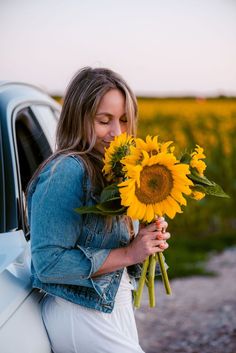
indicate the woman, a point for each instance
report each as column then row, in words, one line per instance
column 87, row 264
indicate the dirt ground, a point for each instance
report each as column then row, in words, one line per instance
column 199, row 316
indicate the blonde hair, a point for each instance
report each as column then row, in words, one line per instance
column 75, row 131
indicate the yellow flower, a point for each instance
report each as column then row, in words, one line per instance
column 196, row 161
column 117, row 150
column 197, row 195
column 198, row 151
column 151, row 146
column 155, row 187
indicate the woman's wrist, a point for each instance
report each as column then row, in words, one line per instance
column 116, row 260
column 128, row 255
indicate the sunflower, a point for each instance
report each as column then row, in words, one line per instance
column 152, row 146
column 197, row 195
column 117, row 150
column 155, row 186
column 196, row 161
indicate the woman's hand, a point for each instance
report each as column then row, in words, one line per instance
column 149, row 240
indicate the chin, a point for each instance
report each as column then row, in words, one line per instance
column 100, row 149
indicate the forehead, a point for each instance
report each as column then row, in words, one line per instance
column 112, row 99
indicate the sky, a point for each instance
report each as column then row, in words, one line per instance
column 161, row 47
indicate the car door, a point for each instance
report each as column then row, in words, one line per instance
column 27, row 138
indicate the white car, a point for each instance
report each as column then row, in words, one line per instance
column 28, row 119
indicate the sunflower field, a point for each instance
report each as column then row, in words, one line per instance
column 209, row 224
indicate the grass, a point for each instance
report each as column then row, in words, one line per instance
column 207, row 226
column 187, row 256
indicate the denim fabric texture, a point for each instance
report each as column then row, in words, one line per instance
column 68, row 248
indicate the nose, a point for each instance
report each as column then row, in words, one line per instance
column 116, row 129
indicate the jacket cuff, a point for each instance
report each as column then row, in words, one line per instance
column 96, row 256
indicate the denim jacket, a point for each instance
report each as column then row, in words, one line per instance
column 68, row 248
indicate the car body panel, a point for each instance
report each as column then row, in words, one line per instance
column 26, row 335
column 21, row 325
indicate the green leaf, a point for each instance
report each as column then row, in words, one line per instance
column 88, row 209
column 186, row 158
column 114, row 202
column 103, row 211
column 109, row 192
column 213, row 190
column 113, row 212
column 110, row 207
column 198, row 179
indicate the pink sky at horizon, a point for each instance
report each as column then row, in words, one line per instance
column 160, row 48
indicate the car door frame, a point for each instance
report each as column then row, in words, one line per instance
column 17, row 263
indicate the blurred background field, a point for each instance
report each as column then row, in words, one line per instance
column 210, row 224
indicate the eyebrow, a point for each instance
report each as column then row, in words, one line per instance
column 108, row 114
column 105, row 113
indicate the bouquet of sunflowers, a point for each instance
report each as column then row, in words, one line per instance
column 147, row 181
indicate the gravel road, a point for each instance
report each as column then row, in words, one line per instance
column 200, row 315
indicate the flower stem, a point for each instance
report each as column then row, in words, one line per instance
column 164, row 273
column 151, row 281
column 139, row 292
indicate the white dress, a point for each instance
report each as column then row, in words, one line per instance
column 73, row 328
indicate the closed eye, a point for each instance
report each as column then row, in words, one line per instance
column 104, row 122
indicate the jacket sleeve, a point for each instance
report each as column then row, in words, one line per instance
column 56, row 227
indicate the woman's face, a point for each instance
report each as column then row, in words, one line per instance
column 110, row 119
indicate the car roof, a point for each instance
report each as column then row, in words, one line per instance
column 12, row 93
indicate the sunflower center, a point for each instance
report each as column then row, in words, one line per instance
column 156, row 183
column 154, row 152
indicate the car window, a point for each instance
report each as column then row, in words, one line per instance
column 2, row 188
column 33, row 145
column 47, row 118
column 35, row 129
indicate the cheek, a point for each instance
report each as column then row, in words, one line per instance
column 100, row 131
column 124, row 128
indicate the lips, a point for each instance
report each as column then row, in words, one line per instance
column 107, row 143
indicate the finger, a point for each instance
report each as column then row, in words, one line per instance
column 151, row 227
column 153, row 235
column 160, row 219
column 158, row 243
column 159, row 248
column 158, row 224
column 161, row 224
column 163, row 236
column 141, row 226
column 157, row 235
column 164, row 246
column 164, row 225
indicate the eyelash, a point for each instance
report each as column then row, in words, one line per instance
column 107, row 122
